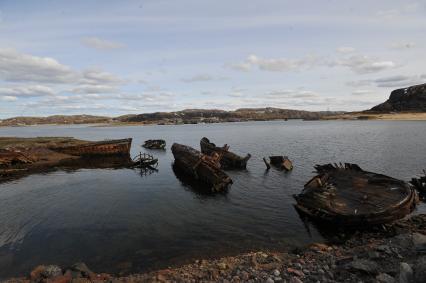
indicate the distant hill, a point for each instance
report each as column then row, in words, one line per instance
column 56, row 119
column 410, row 99
column 187, row 116
column 207, row 115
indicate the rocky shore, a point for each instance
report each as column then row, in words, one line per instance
column 391, row 253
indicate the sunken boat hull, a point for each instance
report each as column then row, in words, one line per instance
column 346, row 195
column 229, row 160
column 420, row 184
column 192, row 163
column 101, row 148
column 154, row 144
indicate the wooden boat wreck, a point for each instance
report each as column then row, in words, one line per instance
column 23, row 156
column 107, row 147
column 281, row 162
column 154, row 144
column 228, row 160
column 145, row 160
column 420, row 184
column 349, row 196
column 201, row 167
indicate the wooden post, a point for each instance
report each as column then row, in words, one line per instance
column 268, row 166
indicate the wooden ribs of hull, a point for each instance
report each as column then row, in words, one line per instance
column 192, row 163
column 229, row 160
column 349, row 196
column 110, row 147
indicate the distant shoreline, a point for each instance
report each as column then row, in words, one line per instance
column 407, row 116
column 359, row 116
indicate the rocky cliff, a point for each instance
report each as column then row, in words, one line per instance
column 410, row 99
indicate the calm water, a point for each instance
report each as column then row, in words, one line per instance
column 118, row 220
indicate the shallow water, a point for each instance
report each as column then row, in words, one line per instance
column 118, row 220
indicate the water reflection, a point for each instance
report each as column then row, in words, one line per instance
column 192, row 184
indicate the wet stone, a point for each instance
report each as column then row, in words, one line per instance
column 385, row 278
column 405, row 273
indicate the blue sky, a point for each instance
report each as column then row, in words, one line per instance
column 119, row 57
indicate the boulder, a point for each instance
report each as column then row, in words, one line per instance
column 420, row 270
column 364, row 265
column 385, row 278
column 405, row 273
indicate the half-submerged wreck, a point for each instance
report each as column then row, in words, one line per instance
column 349, row 196
column 154, row 144
column 107, row 147
column 281, row 162
column 228, row 160
column 22, row 156
column 420, row 184
column 203, row 168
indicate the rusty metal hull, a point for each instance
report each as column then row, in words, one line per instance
column 192, row 163
column 420, row 184
column 229, row 160
column 349, row 196
column 109, row 147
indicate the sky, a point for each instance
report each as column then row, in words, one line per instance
column 126, row 57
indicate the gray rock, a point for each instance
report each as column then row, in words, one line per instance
column 277, row 272
column 419, row 242
column 364, row 265
column 405, row 273
column 420, row 270
column 385, row 248
column 269, row 280
column 81, row 268
column 295, row 280
column 385, row 278
column 245, row 275
column 373, row 254
column 51, row 271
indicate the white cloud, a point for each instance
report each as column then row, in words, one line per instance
column 389, row 13
column 363, row 64
column 8, row 98
column 94, row 89
column 362, row 92
column 359, row 83
column 101, row 44
column 273, row 64
column 243, row 66
column 26, row 91
column 202, row 78
column 280, row 64
column 15, row 66
column 400, row 81
column 390, row 81
column 345, row 49
column 360, row 64
column 402, row 45
column 292, row 94
column 96, row 76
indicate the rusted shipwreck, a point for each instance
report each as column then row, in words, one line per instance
column 228, row 160
column 420, row 184
column 154, row 144
column 201, row 167
column 349, row 196
column 280, row 162
column 107, row 147
column 27, row 155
